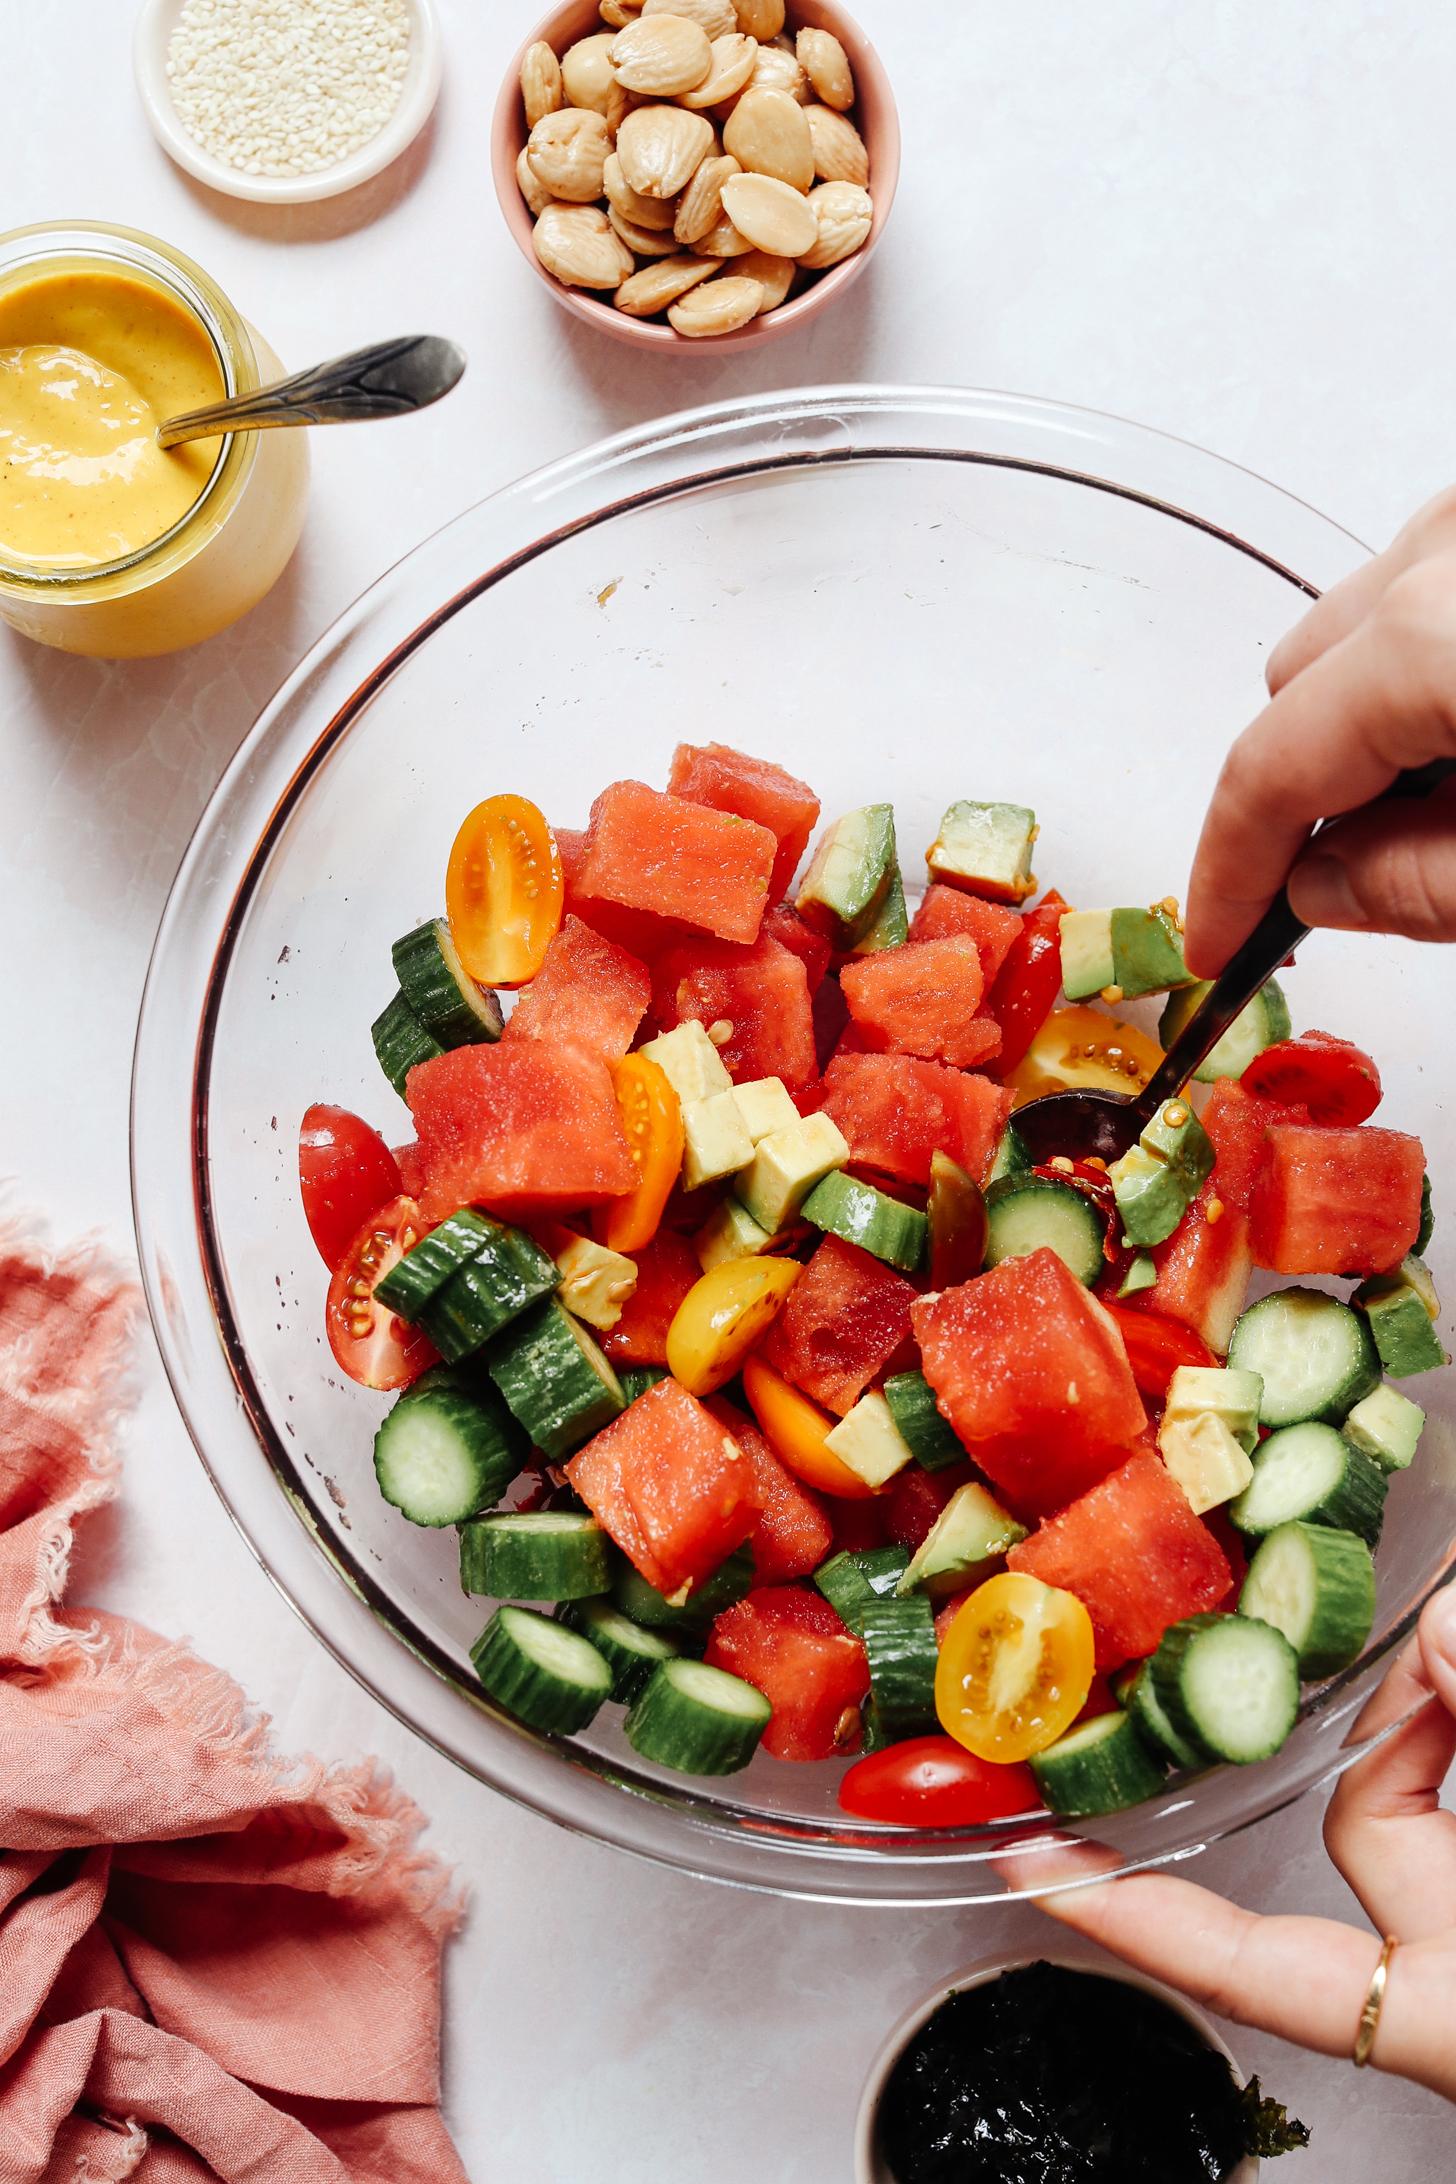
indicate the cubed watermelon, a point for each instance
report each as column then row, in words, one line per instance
column 793, row 1647
column 1032, row 1374
column 1134, row 1554
column 914, row 1500
column 1331, row 1201
column 793, row 1534
column 860, row 1525
column 1204, row 1268
column 1238, row 1124
column 946, row 911
column 588, row 992
column 846, row 1318
column 674, row 859
column 728, row 780
column 922, row 999
column 784, row 924
column 896, row 1110
column 673, row 1489
column 762, row 992
column 571, row 848
column 520, row 1129
column 413, row 1174
column 666, row 1270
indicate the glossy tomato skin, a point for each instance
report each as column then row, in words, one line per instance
column 933, row 1782
column 346, row 1172
column 1015, row 1667
column 1156, row 1347
column 1029, row 980
column 1335, row 1082
column 373, row 1346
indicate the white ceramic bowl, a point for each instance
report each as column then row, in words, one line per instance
column 870, row 2166
column 155, row 23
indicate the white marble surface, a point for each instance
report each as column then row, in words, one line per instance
column 1234, row 223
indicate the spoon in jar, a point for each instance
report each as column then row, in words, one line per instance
column 388, row 379
column 1083, row 1123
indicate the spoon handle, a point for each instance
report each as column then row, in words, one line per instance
column 388, row 379
column 1277, row 935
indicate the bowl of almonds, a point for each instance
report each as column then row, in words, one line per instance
column 696, row 171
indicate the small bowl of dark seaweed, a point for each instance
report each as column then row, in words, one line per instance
column 1062, row 2072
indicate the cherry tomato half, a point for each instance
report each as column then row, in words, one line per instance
column 1029, row 980
column 1082, row 1047
column 345, row 1173
column 1015, row 1668
column 1333, row 1080
column 504, row 891
column 652, row 1120
column 1156, row 1347
column 956, row 1209
column 721, row 1318
column 796, row 1429
column 374, row 1346
column 933, row 1782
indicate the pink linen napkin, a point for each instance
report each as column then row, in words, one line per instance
column 214, row 1963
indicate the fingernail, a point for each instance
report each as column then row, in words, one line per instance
column 1320, row 894
column 1440, row 1622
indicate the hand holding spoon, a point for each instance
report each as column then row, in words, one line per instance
column 388, row 379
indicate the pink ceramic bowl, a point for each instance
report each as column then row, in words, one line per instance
column 874, row 115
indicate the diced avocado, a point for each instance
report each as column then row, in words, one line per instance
column 690, row 1062
column 1418, row 1274
column 1012, row 1157
column 1147, row 952
column 595, row 1282
column 1386, row 1425
column 868, row 1440
column 715, row 1142
column 787, row 1164
column 1086, row 938
column 1399, row 1308
column 1152, row 1198
column 1226, row 1392
column 1176, row 1135
column 1141, row 1275
column 1263, row 1023
column 970, row 1531
column 730, row 1233
column 849, row 875
column 987, row 848
column 765, row 1106
column 890, row 925
column 1206, row 1460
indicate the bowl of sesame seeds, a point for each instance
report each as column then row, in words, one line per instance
column 287, row 101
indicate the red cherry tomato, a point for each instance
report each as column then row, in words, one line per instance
column 1156, row 1346
column 345, row 1173
column 1029, row 980
column 372, row 1345
column 1334, row 1081
column 933, row 1782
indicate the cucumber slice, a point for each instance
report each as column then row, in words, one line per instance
column 536, row 1554
column 697, row 1720
column 423, row 1272
column 1313, row 1475
column 635, row 1380
column 1314, row 1355
column 1102, row 1765
column 507, row 1274
column 443, row 1454
column 555, row 1380
column 549, row 1677
column 1138, row 1695
column 876, row 1736
column 691, row 1612
column 401, row 1042
column 630, row 1652
column 913, row 1408
column 872, row 1219
column 1318, row 1587
column 1229, row 1685
column 1012, row 1157
column 1025, row 1213
column 899, row 1643
column 850, row 1580
column 1263, row 1023
column 1387, row 1426
column 442, row 994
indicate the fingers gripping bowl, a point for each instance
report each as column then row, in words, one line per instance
column 1054, row 605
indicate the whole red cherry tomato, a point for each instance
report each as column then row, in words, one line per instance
column 933, row 1782
column 345, row 1173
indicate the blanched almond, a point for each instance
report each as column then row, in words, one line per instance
column 646, row 242
column 773, row 215
column 567, row 152
column 619, row 13
column 701, row 203
column 734, row 58
column 762, row 19
column 768, row 134
column 775, row 276
column 661, row 55
column 839, row 149
column 643, row 212
column 722, row 241
column 777, row 70
column 653, row 287
column 620, row 103
column 540, row 82
column 715, row 17
column 586, row 72
column 843, row 214
column 826, row 64
column 536, row 194
column 580, row 246
column 659, row 146
column 716, row 307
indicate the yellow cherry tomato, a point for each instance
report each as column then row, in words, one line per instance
column 504, row 891
column 797, row 1429
column 1082, row 1047
column 652, row 1119
column 721, row 1318
column 1015, row 1668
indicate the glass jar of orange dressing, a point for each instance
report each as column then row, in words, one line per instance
column 110, row 545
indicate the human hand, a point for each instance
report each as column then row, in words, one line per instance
column 1364, row 686
column 1306, row 1978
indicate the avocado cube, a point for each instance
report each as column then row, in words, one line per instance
column 1152, row 1197
column 1147, row 952
column 1220, row 1391
column 689, row 1060
column 765, row 1106
column 730, row 1233
column 786, row 1165
column 1415, row 1271
column 1205, row 1459
column 1142, row 1274
column 1386, row 1425
column 986, row 848
column 971, row 1530
column 1400, row 1321
column 1176, row 1135
column 868, row 1440
column 715, row 1142
column 595, row 1282
column 1086, row 938
column 849, row 874
column 890, row 925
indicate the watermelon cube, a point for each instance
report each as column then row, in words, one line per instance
column 793, row 1534
column 784, row 924
column 946, row 911
column 846, row 1319
column 588, row 993
column 571, row 848
column 413, row 1174
column 666, row 1270
column 1336, row 1201
column 674, row 859
column 793, row 1647
column 1238, row 1123
column 1136, row 1557
column 1030, row 1371
column 915, row 1499
column 1204, row 1268
column 521, row 1129
column 896, row 1110
column 728, row 780
column 922, row 999
column 762, row 992
column 673, row 1489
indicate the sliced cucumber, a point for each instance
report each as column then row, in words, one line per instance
column 1313, row 1354
column 555, row 1379
column 697, row 1720
column 1318, row 1587
column 401, row 1042
column 443, row 1454
column 692, row 1611
column 851, row 1579
column 630, row 1652
column 506, row 1275
column 1027, row 1213
column 1263, row 1023
column 872, row 1219
column 913, row 1408
column 1313, row 1475
column 899, row 1643
column 1229, row 1685
column 1102, row 1765
column 1138, row 1695
column 536, row 1554
column 423, row 1272
column 1387, row 1426
column 635, row 1380
column 549, row 1677
column 1012, row 1156
column 435, row 983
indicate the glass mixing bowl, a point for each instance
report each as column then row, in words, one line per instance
column 898, row 593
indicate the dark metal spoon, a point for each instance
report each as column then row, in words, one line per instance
column 388, row 379
column 1084, row 1123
